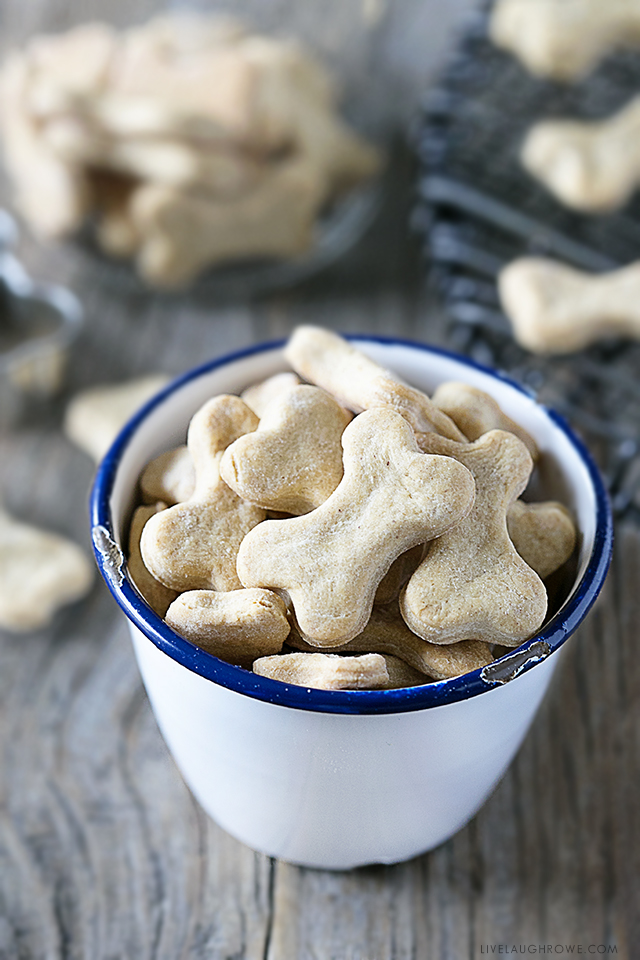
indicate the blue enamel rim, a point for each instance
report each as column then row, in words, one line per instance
column 434, row 694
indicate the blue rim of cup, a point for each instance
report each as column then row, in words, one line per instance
column 432, row 694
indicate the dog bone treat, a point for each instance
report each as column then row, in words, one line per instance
column 39, row 573
column 238, row 625
column 563, row 39
column 397, row 575
column 386, row 632
column 358, row 383
column 472, row 582
column 155, row 593
column 259, row 395
column 229, row 143
column 170, row 477
column 329, row 562
column 193, row 545
column 544, row 534
column 181, row 234
column 326, row 671
column 95, row 416
column 293, row 461
column 476, row 412
column 557, row 309
column 591, row 166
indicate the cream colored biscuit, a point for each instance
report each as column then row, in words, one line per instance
column 183, row 235
column 155, row 593
column 170, row 477
column 293, row 461
column 259, row 395
column 398, row 574
column 326, row 671
column 544, row 534
column 591, row 166
column 358, row 383
column 238, row 625
column 563, row 39
column 95, row 416
column 472, row 582
column 386, row 632
column 193, row 545
column 40, row 572
column 51, row 194
column 330, row 561
column 556, row 309
column 476, row 412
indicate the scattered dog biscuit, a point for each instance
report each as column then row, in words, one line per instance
column 227, row 145
column 193, row 545
column 293, row 461
column 557, row 309
column 95, row 416
column 329, row 562
column 40, row 572
column 326, row 671
column 472, row 582
column 386, row 632
column 358, row 383
column 170, row 477
column 238, row 626
column 563, row 39
column 590, row 166
column 155, row 593
column 544, row 534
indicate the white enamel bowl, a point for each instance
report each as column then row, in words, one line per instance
column 329, row 778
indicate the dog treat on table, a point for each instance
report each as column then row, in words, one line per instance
column 40, row 572
column 95, row 416
column 227, row 145
column 554, row 308
column 193, row 545
column 590, row 166
column 409, row 555
column 472, row 582
column 564, row 39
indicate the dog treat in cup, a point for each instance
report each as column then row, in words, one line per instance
column 329, row 708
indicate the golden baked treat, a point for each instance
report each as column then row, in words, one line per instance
column 544, row 534
column 155, row 593
column 326, row 671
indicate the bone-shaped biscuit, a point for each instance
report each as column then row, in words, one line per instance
column 40, row 572
column 170, row 477
column 590, row 166
column 472, row 582
column 193, row 545
column 386, row 632
column 358, row 383
column 293, row 461
column 476, row 412
column 329, row 562
column 155, row 593
column 557, row 309
column 544, row 534
column 95, row 416
column 259, row 395
column 563, row 39
column 183, row 234
column 238, row 625
column 326, row 671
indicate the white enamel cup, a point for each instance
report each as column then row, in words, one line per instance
column 330, row 778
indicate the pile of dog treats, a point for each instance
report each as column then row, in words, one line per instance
column 346, row 531
column 190, row 141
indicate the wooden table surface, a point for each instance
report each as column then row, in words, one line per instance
column 104, row 854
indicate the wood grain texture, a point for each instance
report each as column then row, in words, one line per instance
column 105, row 855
